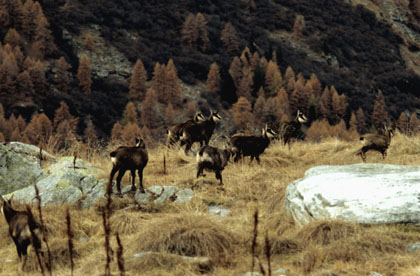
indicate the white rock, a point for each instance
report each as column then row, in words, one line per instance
column 363, row 193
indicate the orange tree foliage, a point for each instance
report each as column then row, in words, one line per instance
column 230, row 38
column 63, row 114
column 380, row 114
column 213, row 79
column 84, row 73
column 130, row 115
column 138, row 82
column 62, row 77
column 242, row 115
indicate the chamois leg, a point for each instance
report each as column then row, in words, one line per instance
column 258, row 159
column 119, row 177
column 383, row 154
column 251, row 159
column 140, row 172
column 113, row 172
column 133, row 182
column 219, row 176
column 200, row 169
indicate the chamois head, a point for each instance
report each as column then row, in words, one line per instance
column 300, row 117
column 267, row 131
column 4, row 202
column 215, row 116
column 199, row 117
column 140, row 143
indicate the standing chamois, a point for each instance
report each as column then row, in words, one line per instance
column 291, row 129
column 199, row 132
column 377, row 142
column 174, row 132
column 20, row 228
column 251, row 145
column 212, row 159
column 129, row 158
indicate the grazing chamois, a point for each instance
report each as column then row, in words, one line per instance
column 200, row 132
column 291, row 129
column 212, row 159
column 251, row 145
column 377, row 142
column 129, row 158
column 20, row 230
column 174, row 132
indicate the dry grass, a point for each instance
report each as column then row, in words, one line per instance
column 171, row 231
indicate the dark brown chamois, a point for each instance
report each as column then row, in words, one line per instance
column 199, row 132
column 251, row 145
column 291, row 129
column 174, row 132
column 129, row 158
column 212, row 159
column 377, row 142
column 20, row 230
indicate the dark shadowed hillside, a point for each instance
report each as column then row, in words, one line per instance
column 360, row 50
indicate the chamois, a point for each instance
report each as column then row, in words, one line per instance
column 377, row 142
column 20, row 230
column 129, row 158
column 251, row 145
column 212, row 159
column 199, row 132
column 174, row 132
column 291, row 129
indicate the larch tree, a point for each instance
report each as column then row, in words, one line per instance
column 138, row 80
column 172, row 85
column 189, row 32
column 259, row 108
column 316, row 85
column 62, row 76
column 299, row 25
column 159, row 82
column 230, row 38
column 116, row 132
column 90, row 133
column 88, row 43
column 25, row 87
column 43, row 39
column 235, row 71
column 246, row 84
column 130, row 115
column 63, row 114
column 9, row 71
column 242, row 113
column 14, row 38
column 170, row 115
column 203, row 33
column 380, row 114
column 30, row 13
column 283, row 102
column 37, row 73
column 130, row 133
column 213, row 80
column 325, row 104
column 298, row 100
column 84, row 74
column 149, row 113
column 361, row 121
column 44, row 127
column 289, row 74
column 273, row 79
column 414, row 123
column 403, row 124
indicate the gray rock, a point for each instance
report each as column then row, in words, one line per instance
column 413, row 247
column 65, row 184
column 375, row 274
column 364, row 193
column 162, row 194
column 215, row 210
column 203, row 261
column 280, row 271
column 20, row 166
column 253, row 274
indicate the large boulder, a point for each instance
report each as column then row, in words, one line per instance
column 20, row 166
column 66, row 183
column 363, row 193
